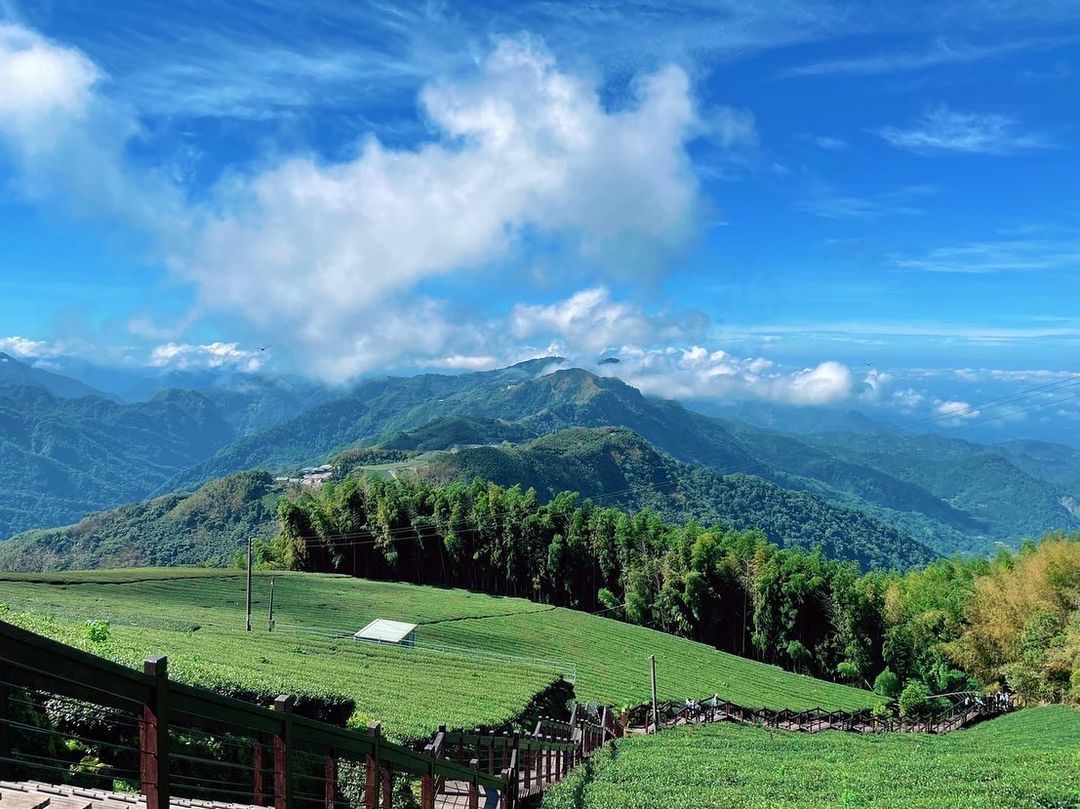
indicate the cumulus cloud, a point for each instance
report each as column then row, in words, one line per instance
column 955, row 409
column 187, row 356
column 329, row 254
column 318, row 247
column 22, row 347
column 697, row 372
column 67, row 141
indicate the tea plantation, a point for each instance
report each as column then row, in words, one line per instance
column 480, row 659
column 1027, row 759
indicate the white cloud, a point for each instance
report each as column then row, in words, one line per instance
column 186, row 356
column 67, row 141
column 828, row 143
column 46, row 88
column 22, row 347
column 589, row 320
column 1021, row 255
column 696, row 372
column 325, row 256
column 942, row 129
column 961, row 411
column 940, row 53
column 462, row 362
column 900, row 202
column 728, row 126
column 322, row 249
column 908, row 399
column 874, row 385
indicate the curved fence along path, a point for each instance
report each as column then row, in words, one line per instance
column 965, row 709
column 157, row 733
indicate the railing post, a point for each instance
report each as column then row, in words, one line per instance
column 373, row 770
column 528, row 770
column 283, row 753
column 474, row 785
column 547, row 761
column 331, row 780
column 427, row 780
column 259, row 796
column 5, row 737
column 387, row 786
column 154, row 736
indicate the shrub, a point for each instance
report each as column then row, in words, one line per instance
column 914, row 698
column 97, row 631
column 847, row 670
column 887, row 684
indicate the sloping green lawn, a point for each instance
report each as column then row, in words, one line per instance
column 1027, row 759
column 479, row 660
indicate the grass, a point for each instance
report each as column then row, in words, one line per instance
column 196, row 618
column 1027, row 759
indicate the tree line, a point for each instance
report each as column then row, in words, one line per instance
column 955, row 624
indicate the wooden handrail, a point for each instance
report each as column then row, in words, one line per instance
column 33, row 661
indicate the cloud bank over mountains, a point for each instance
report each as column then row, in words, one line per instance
column 331, row 256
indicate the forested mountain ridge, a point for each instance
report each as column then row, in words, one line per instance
column 61, row 459
column 617, row 467
column 1009, row 492
column 14, row 373
column 945, row 497
column 945, row 493
column 612, row 466
column 203, row 528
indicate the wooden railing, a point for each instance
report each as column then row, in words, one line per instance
column 278, row 749
column 959, row 714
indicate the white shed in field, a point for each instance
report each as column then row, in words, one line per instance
column 382, row 631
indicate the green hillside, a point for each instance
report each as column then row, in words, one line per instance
column 617, row 467
column 479, row 658
column 14, row 373
column 612, row 465
column 203, row 528
column 945, row 493
column 1026, row 759
column 1008, row 493
column 61, row 459
column 536, row 402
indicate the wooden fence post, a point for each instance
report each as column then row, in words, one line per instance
column 283, row 753
column 259, row 796
column 427, row 781
column 331, row 780
column 373, row 769
column 527, row 780
column 154, row 736
column 387, row 786
column 5, row 737
column 474, row 785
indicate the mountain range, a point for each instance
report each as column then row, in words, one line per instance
column 66, row 457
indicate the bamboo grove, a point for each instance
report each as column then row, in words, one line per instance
column 955, row 624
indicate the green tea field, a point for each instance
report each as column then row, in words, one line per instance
column 479, row 659
column 1026, row 759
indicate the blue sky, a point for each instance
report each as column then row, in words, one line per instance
column 807, row 203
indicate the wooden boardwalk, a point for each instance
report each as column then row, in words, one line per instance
column 39, row 795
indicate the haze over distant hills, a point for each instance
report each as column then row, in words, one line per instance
column 64, row 458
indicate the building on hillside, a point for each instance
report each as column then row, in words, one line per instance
column 381, row 630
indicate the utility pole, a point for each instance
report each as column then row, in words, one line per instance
column 249, row 587
column 655, row 711
column 270, row 619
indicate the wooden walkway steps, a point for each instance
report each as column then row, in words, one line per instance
column 38, row 795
